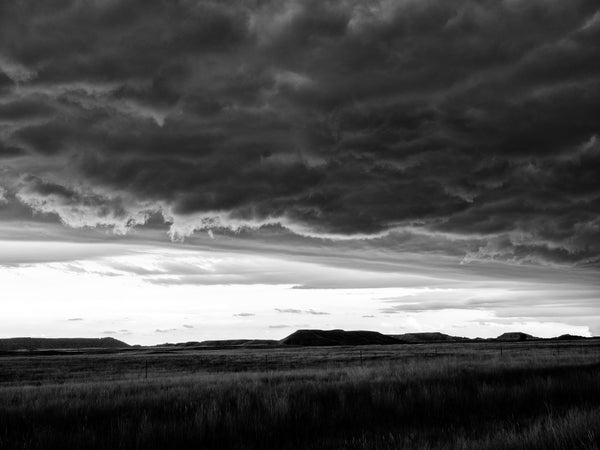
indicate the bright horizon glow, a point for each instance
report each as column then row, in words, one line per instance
column 151, row 294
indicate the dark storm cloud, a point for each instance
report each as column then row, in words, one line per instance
column 24, row 109
column 74, row 207
column 10, row 151
column 475, row 120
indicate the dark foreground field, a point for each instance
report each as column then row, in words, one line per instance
column 534, row 395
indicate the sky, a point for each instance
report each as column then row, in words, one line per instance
column 184, row 170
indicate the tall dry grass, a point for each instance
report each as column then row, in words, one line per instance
column 525, row 401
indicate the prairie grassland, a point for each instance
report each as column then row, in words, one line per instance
column 458, row 396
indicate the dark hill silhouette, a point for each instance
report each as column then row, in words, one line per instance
column 27, row 343
column 305, row 338
column 516, row 336
column 340, row 337
column 237, row 343
column 569, row 337
column 336, row 337
column 224, row 343
column 416, row 338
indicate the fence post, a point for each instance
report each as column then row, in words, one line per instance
column 266, row 363
column 146, row 369
column 361, row 358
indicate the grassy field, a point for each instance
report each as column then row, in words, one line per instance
column 530, row 395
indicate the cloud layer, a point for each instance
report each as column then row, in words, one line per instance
column 462, row 121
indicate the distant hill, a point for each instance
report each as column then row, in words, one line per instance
column 300, row 338
column 238, row 343
column 336, row 337
column 26, row 343
column 224, row 343
column 416, row 338
column 569, row 337
column 340, row 337
column 516, row 336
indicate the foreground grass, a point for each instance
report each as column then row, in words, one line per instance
column 522, row 402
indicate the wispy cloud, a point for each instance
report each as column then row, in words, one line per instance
column 299, row 311
column 288, row 310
